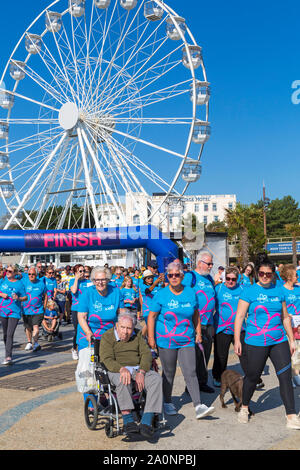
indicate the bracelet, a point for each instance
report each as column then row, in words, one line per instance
column 141, row 372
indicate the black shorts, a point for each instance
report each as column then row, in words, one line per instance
column 32, row 320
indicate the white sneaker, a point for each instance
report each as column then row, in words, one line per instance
column 28, row 347
column 296, row 380
column 293, row 422
column 203, row 410
column 243, row 416
column 169, row 409
column 74, row 355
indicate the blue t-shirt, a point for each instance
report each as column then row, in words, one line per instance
column 51, row 284
column 245, row 280
column 205, row 290
column 128, row 294
column 147, row 296
column 264, row 325
column 174, row 327
column 292, row 299
column 51, row 313
column 101, row 312
column 116, row 282
column 226, row 307
column 82, row 285
column 35, row 292
column 136, row 282
column 10, row 308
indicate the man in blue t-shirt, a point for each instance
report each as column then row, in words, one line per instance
column 203, row 284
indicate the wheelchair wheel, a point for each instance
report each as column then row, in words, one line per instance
column 91, row 416
column 109, row 430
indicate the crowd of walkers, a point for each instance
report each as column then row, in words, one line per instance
column 184, row 314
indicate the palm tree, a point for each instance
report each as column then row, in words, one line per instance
column 243, row 221
column 294, row 231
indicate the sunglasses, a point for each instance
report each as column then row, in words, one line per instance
column 10, row 271
column 208, row 264
column 232, row 279
column 264, row 274
column 177, row 275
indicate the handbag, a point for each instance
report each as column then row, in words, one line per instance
column 85, row 372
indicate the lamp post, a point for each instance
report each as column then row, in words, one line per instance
column 266, row 202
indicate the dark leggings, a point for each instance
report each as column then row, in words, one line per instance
column 9, row 326
column 75, row 324
column 222, row 343
column 280, row 356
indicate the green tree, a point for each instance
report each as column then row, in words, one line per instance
column 281, row 212
column 294, row 232
column 216, row 226
column 245, row 224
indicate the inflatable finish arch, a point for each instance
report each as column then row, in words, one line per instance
column 121, row 238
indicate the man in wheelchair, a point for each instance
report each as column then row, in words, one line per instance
column 127, row 357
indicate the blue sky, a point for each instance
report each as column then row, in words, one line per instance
column 252, row 57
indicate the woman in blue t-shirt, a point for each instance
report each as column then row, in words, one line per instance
column 291, row 292
column 268, row 329
column 174, row 326
column 98, row 309
column 129, row 294
column 227, row 298
column 77, row 286
column 12, row 293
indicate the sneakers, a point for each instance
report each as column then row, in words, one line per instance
column 36, row 347
column 131, row 428
column 293, row 422
column 203, row 410
column 169, row 409
column 243, row 416
column 146, row 430
column 28, row 347
column 7, row 362
column 74, row 355
column 260, row 385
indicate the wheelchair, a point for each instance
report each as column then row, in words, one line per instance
column 94, row 407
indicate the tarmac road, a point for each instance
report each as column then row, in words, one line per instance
column 40, row 409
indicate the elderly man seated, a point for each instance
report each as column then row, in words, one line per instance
column 128, row 358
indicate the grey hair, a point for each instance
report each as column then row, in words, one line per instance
column 100, row 269
column 176, row 266
column 126, row 313
column 201, row 254
column 32, row 267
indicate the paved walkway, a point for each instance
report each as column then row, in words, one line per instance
column 41, row 409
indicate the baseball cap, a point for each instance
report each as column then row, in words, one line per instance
column 147, row 273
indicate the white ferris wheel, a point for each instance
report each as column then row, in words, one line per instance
column 100, row 99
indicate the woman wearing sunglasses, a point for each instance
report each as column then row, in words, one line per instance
column 268, row 335
column 50, row 282
column 174, row 326
column 227, row 298
column 12, row 293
